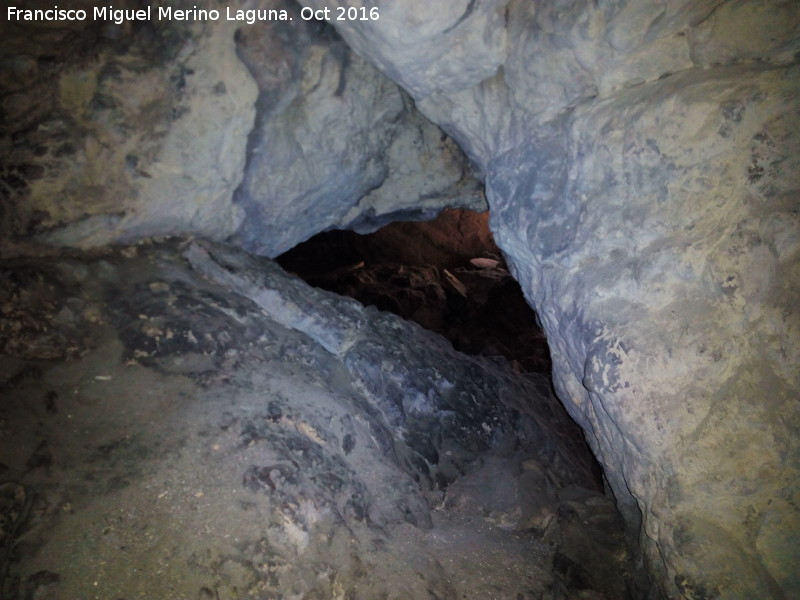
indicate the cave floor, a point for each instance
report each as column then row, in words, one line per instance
column 134, row 488
column 132, row 468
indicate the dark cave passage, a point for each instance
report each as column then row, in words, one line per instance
column 446, row 274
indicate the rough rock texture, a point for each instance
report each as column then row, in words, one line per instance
column 112, row 133
column 338, row 143
column 242, row 435
column 641, row 163
column 211, row 128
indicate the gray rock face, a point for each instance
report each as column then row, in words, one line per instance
column 336, row 142
column 107, row 131
column 194, row 413
column 641, row 165
column 669, row 312
column 211, row 128
column 369, row 342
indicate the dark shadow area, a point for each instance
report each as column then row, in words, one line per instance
column 447, row 275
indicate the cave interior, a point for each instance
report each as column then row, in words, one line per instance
column 474, row 299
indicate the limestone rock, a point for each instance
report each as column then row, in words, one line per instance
column 642, row 173
column 126, row 125
column 447, row 46
column 738, row 30
column 670, row 313
column 337, row 142
column 403, row 395
column 212, row 128
column 641, row 166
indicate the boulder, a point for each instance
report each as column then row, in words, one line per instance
column 131, row 131
column 190, row 412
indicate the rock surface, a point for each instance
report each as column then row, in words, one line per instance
column 106, row 130
column 211, row 128
column 338, row 143
column 242, row 435
column 641, row 164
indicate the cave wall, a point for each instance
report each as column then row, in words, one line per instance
column 264, row 134
column 641, row 166
column 336, row 142
column 111, row 133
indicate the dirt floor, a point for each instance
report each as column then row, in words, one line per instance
column 161, row 438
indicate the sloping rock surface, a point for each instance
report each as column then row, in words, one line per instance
column 187, row 421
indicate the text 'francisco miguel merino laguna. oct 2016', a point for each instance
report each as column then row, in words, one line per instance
column 168, row 13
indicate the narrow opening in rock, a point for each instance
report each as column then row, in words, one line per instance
column 447, row 275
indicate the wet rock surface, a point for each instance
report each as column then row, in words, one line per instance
column 205, row 426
